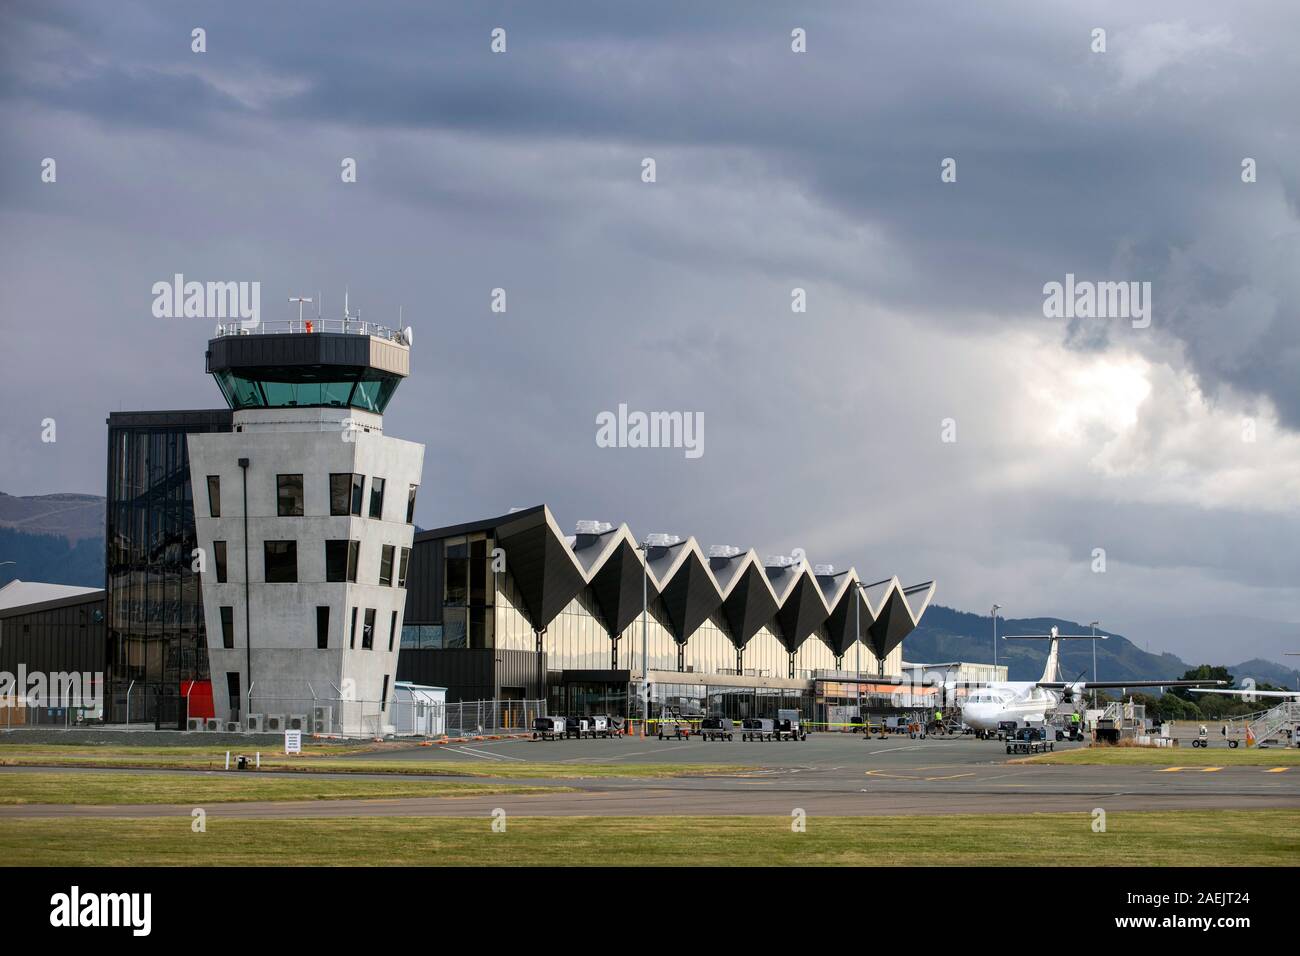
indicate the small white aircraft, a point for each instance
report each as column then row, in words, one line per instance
column 1248, row 693
column 991, row 705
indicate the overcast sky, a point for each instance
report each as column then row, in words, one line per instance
column 775, row 170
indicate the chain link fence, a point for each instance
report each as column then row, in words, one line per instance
column 404, row 715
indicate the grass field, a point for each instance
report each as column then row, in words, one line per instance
column 1171, row 757
column 1174, row 838
column 146, row 788
column 333, row 759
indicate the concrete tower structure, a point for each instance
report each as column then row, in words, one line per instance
column 305, row 519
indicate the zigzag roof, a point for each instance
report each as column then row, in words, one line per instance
column 550, row 570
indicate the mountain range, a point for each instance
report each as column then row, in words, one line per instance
column 60, row 539
column 946, row 634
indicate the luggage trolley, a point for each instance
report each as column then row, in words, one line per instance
column 548, row 728
column 717, row 728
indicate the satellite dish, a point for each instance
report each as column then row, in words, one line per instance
column 406, row 334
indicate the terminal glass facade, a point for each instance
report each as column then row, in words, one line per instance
column 154, row 609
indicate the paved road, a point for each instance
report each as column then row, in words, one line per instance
column 826, row 775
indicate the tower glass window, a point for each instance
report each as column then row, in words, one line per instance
column 219, row 560
column 322, row 627
column 403, row 566
column 281, row 561
column 352, row 641
column 386, row 565
column 368, row 630
column 341, row 561
column 288, row 495
column 377, row 498
column 335, row 386
column 410, row 503
column 227, row 627
column 346, row 493
column 214, row 495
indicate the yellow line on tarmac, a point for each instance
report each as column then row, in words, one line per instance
column 1277, row 770
column 1210, row 769
column 903, row 776
column 1171, row 769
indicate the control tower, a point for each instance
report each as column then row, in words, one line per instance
column 305, row 515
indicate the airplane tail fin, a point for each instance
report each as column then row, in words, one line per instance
column 1052, row 668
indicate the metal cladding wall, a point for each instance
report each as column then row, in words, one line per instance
column 259, row 351
column 473, row 674
column 424, row 584
column 55, row 636
column 749, row 607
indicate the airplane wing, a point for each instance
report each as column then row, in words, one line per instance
column 1063, row 684
column 1254, row 693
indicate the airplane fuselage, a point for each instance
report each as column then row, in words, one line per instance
column 1021, row 701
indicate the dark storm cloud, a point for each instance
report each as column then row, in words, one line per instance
column 775, row 170
column 1066, row 164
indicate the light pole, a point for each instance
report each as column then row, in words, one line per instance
column 1093, row 625
column 857, row 650
column 994, row 612
column 644, row 548
column 248, row 614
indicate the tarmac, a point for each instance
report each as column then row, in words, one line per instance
column 828, row 774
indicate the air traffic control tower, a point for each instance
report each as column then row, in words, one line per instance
column 305, row 516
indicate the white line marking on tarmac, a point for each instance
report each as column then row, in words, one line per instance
column 485, row 755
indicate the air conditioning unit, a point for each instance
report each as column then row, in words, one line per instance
column 193, row 724
column 322, row 719
column 233, row 727
column 296, row 722
column 275, row 723
column 212, row 724
column 257, row 723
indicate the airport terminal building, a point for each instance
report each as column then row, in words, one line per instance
column 513, row 608
column 262, row 564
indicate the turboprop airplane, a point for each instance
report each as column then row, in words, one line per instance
column 1029, row 702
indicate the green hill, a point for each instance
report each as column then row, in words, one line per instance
column 949, row 635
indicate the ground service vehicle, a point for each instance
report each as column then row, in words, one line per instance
column 786, row 726
column 1029, row 740
column 757, row 728
column 674, row 727
column 548, row 728
column 717, row 728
